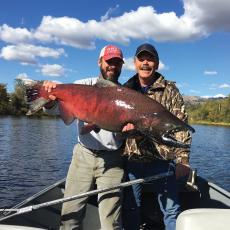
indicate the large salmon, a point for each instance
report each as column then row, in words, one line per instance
column 110, row 107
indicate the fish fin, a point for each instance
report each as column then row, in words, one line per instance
column 101, row 82
column 65, row 114
column 88, row 128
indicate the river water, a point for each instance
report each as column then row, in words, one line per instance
column 35, row 153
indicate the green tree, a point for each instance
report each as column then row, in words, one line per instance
column 4, row 99
column 18, row 102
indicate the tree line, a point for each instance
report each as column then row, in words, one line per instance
column 217, row 111
column 12, row 103
column 210, row 111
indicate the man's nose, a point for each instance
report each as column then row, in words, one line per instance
column 145, row 61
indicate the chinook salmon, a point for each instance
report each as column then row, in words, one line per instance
column 110, row 107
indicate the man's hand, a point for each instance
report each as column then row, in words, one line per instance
column 49, row 85
column 128, row 127
column 182, row 170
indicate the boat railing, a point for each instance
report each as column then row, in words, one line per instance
column 8, row 213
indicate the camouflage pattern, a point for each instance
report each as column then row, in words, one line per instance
column 145, row 150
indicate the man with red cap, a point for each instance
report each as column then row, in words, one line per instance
column 97, row 159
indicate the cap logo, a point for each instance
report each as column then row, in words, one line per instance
column 110, row 51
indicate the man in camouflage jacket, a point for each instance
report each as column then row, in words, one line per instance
column 144, row 150
column 145, row 157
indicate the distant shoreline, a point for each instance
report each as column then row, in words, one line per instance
column 44, row 116
column 209, row 123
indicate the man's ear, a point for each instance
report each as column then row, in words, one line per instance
column 157, row 65
column 99, row 61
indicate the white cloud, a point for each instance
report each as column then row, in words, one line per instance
column 182, row 85
column 54, row 70
column 224, row 85
column 27, row 54
column 86, row 81
column 194, row 91
column 219, row 95
column 109, row 12
column 162, row 66
column 215, row 96
column 22, row 76
column 143, row 23
column 25, row 79
column 210, row 15
column 210, row 72
column 15, row 35
column 129, row 65
column 66, row 31
column 200, row 18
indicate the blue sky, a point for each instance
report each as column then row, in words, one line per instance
column 61, row 40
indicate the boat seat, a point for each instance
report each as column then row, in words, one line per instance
column 203, row 218
column 17, row 227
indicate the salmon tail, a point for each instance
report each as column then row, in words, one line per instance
column 36, row 105
column 33, row 98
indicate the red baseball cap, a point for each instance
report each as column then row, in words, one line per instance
column 111, row 51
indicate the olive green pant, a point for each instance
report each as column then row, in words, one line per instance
column 106, row 169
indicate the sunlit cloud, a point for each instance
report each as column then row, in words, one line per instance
column 215, row 96
column 109, row 13
column 222, row 86
column 54, row 70
column 129, row 65
column 86, row 81
column 25, row 78
column 28, row 54
column 15, row 35
column 162, row 66
column 200, row 18
column 194, row 91
column 182, row 85
column 210, row 72
column 22, row 76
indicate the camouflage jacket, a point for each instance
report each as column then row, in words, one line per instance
column 145, row 150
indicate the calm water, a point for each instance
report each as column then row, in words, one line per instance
column 35, row 153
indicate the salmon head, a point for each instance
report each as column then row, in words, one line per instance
column 162, row 127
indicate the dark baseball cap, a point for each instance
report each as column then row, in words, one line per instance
column 147, row 48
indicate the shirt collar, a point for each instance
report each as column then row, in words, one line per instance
column 160, row 83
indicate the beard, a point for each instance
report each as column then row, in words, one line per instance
column 111, row 76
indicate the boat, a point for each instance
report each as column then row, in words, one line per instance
column 198, row 197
